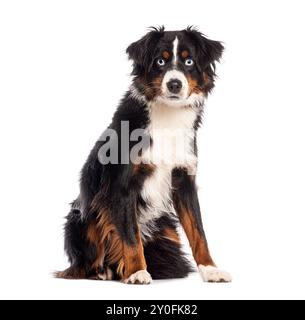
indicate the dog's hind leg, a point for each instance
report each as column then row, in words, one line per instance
column 81, row 253
column 116, row 252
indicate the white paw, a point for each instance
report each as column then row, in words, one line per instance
column 140, row 277
column 213, row 274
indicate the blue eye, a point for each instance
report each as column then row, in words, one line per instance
column 161, row 62
column 189, row 62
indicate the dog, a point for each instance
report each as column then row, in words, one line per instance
column 135, row 195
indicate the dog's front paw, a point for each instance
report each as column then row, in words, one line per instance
column 140, row 277
column 213, row 274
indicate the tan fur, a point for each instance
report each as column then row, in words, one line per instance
column 112, row 250
column 185, row 54
column 193, row 86
column 143, row 169
column 134, row 259
column 197, row 242
column 165, row 54
column 153, row 89
column 104, row 235
column 206, row 79
column 71, row 273
column 171, row 234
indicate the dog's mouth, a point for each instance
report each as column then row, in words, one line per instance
column 174, row 97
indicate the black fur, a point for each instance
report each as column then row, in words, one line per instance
column 81, row 253
column 160, row 252
column 145, row 51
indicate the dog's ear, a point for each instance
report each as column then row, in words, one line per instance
column 208, row 51
column 142, row 51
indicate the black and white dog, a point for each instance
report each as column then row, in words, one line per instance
column 139, row 183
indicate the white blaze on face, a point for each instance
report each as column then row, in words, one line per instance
column 175, row 51
column 175, row 74
column 183, row 97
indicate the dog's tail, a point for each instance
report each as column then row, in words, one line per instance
column 166, row 260
column 164, row 256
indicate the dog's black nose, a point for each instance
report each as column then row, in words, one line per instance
column 174, row 85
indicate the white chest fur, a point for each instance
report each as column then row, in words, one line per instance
column 172, row 134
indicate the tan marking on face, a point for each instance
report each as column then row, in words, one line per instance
column 193, row 86
column 153, row 88
column 185, row 54
column 157, row 82
column 165, row 55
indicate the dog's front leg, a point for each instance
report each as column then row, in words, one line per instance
column 187, row 206
column 133, row 268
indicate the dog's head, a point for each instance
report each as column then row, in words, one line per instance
column 175, row 67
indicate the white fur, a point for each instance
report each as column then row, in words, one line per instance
column 157, row 194
column 175, row 51
column 140, row 277
column 134, row 93
column 213, row 274
column 185, row 98
column 194, row 100
column 172, row 134
column 175, row 74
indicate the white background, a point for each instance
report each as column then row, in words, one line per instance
column 62, row 72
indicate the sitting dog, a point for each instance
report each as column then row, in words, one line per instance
column 138, row 184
